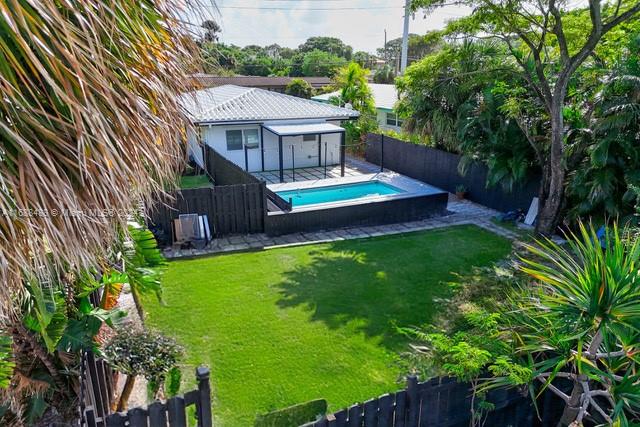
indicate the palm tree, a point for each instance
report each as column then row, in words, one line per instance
column 580, row 324
column 89, row 125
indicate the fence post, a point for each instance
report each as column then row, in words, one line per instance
column 413, row 401
column 293, row 165
column 325, row 160
column 204, row 388
column 246, row 159
column 382, row 152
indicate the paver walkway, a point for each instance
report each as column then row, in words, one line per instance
column 461, row 212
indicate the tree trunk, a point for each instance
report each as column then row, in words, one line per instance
column 552, row 186
column 123, row 402
column 572, row 408
column 138, row 303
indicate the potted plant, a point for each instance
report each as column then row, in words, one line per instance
column 461, row 190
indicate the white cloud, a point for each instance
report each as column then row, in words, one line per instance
column 287, row 23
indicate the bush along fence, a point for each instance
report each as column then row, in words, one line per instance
column 440, row 168
column 443, row 402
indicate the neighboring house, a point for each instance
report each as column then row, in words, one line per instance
column 260, row 130
column 276, row 84
column 385, row 98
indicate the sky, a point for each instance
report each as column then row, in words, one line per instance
column 359, row 23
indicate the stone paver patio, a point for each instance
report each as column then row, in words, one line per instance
column 353, row 167
column 461, row 212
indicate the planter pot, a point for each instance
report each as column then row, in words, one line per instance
column 460, row 194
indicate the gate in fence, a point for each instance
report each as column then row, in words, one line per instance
column 172, row 413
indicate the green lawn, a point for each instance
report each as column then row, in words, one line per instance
column 194, row 181
column 283, row 326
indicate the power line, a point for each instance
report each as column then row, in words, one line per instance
column 310, row 8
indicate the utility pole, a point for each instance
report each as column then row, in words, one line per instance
column 386, row 55
column 405, row 36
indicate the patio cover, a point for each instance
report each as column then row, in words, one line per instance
column 303, row 129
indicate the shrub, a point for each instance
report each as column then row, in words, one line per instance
column 145, row 353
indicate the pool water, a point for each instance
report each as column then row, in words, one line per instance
column 337, row 193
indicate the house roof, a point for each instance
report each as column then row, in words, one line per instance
column 303, row 128
column 231, row 103
column 384, row 96
column 208, row 80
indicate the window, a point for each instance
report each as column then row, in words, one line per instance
column 399, row 121
column 251, row 139
column 234, row 140
column 392, row 119
column 309, row 137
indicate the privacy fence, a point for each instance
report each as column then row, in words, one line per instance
column 443, row 402
column 440, row 168
column 230, row 209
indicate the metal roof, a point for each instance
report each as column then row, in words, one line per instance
column 229, row 103
column 303, row 128
column 384, row 96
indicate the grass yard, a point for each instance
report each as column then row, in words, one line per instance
column 283, row 326
column 194, row 181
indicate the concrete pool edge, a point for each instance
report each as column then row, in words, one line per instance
column 410, row 188
column 418, row 201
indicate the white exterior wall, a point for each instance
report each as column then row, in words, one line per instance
column 194, row 149
column 216, row 138
column 382, row 121
column 306, row 152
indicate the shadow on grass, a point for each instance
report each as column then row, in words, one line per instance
column 374, row 285
column 360, row 287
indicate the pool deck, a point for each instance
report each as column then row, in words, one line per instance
column 462, row 212
column 353, row 167
column 409, row 187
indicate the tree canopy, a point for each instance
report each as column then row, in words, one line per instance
column 559, row 54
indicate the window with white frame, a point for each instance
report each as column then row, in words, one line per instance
column 393, row 120
column 251, row 138
column 237, row 139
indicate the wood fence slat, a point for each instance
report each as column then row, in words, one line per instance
column 341, row 418
column 371, row 413
column 157, row 415
column 355, row 416
column 400, row 409
column 412, row 402
column 385, row 410
column 138, row 417
column 116, row 420
column 177, row 415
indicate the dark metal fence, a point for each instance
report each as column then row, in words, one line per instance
column 442, row 402
column 230, row 209
column 440, row 168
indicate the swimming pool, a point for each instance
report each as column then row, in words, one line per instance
column 338, row 193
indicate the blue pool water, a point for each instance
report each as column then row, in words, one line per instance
column 337, row 193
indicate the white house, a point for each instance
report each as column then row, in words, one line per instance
column 260, row 130
column 384, row 97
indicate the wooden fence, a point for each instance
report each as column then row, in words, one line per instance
column 225, row 172
column 442, row 402
column 440, row 168
column 230, row 209
column 97, row 389
column 172, row 413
